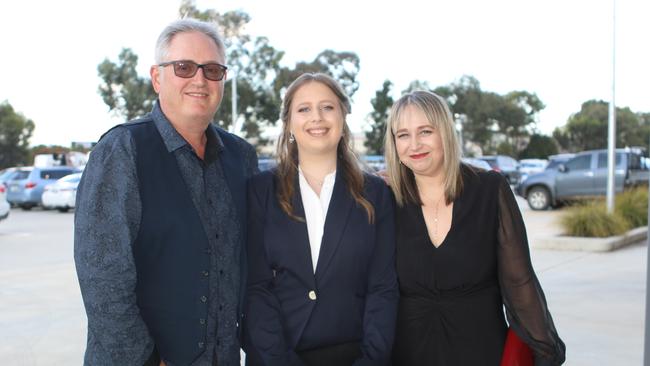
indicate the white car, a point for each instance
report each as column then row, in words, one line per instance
column 4, row 205
column 61, row 194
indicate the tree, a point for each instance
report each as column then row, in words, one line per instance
column 342, row 66
column 381, row 104
column 497, row 123
column 126, row 94
column 587, row 129
column 539, row 147
column 15, row 132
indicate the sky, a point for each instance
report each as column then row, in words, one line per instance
column 561, row 50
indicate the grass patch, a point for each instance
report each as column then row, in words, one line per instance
column 590, row 219
column 633, row 206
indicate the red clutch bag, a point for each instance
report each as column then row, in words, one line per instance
column 516, row 352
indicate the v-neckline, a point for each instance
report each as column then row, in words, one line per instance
column 426, row 228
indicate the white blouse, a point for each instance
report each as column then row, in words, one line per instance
column 316, row 210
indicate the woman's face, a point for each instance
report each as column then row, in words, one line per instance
column 418, row 143
column 316, row 119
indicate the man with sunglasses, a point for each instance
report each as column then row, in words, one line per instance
column 159, row 224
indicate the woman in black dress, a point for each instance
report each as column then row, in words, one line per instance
column 462, row 251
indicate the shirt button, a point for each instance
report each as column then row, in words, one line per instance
column 216, row 236
column 202, row 321
column 221, row 272
column 201, row 344
column 205, row 273
column 220, row 307
column 312, row 295
column 204, row 299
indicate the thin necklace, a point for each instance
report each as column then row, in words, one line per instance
column 435, row 221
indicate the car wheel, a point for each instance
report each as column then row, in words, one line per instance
column 63, row 209
column 539, row 199
column 26, row 207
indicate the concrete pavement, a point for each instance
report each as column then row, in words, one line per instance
column 597, row 299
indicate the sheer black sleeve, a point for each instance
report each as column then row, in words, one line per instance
column 524, row 300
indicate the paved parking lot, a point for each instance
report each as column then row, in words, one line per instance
column 597, row 299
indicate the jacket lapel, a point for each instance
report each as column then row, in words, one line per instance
column 335, row 222
column 298, row 229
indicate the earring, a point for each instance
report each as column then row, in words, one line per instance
column 291, row 138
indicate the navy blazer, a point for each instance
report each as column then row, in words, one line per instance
column 352, row 296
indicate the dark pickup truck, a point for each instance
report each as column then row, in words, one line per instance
column 584, row 175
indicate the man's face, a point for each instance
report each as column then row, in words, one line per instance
column 193, row 100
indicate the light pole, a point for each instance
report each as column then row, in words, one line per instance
column 233, row 83
column 459, row 123
column 611, row 131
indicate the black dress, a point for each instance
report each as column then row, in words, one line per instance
column 453, row 296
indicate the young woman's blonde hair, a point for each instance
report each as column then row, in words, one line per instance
column 401, row 177
column 287, row 151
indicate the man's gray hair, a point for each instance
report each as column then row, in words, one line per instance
column 182, row 26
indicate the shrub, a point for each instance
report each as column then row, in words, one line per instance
column 632, row 204
column 592, row 220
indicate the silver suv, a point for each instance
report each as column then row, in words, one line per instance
column 584, row 175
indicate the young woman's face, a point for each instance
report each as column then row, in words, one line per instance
column 418, row 143
column 316, row 119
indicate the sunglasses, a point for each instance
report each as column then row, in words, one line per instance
column 187, row 69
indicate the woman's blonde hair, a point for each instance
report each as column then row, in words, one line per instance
column 287, row 151
column 401, row 177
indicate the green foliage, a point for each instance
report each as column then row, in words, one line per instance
column 505, row 148
column 587, row 129
column 632, row 205
column 381, row 105
column 592, row 220
column 15, row 132
column 497, row 123
column 539, row 147
column 126, row 94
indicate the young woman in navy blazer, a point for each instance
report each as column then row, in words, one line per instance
column 322, row 287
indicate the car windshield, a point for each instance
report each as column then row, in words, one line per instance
column 54, row 174
column 21, row 174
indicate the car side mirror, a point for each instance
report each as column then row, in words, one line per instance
column 562, row 168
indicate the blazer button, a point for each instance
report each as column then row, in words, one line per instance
column 312, row 295
column 204, row 299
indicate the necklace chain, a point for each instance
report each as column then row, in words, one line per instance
column 435, row 221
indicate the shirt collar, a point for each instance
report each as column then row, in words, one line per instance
column 174, row 141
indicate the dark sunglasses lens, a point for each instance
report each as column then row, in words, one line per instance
column 214, row 72
column 185, row 69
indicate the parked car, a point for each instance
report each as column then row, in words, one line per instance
column 6, row 175
column 555, row 160
column 4, row 205
column 373, row 163
column 477, row 163
column 528, row 167
column 61, row 194
column 266, row 163
column 584, row 175
column 26, row 186
column 505, row 165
